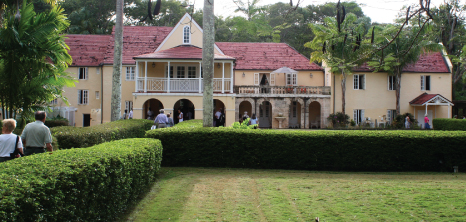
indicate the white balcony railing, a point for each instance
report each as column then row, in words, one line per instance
column 155, row 84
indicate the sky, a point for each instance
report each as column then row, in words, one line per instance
column 381, row 11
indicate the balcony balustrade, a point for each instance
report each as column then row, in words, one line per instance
column 283, row 90
column 185, row 85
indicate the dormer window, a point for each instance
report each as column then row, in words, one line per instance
column 186, row 35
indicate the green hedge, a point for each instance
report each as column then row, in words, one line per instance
column 313, row 150
column 71, row 137
column 449, row 124
column 93, row 184
column 56, row 122
column 194, row 123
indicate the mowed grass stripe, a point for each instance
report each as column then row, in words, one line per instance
column 278, row 195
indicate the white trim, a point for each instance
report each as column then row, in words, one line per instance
column 177, row 25
column 181, row 94
column 189, row 35
column 445, row 102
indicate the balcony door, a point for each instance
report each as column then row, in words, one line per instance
column 265, row 111
column 294, row 123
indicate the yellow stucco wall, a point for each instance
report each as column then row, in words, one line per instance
column 304, row 77
column 176, row 36
column 92, row 84
column 376, row 99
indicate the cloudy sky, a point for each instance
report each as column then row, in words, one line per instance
column 382, row 11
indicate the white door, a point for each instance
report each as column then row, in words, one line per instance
column 294, row 115
column 264, row 115
column 420, row 117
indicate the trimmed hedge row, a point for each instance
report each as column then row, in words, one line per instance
column 93, row 184
column 449, row 124
column 194, row 123
column 73, row 137
column 313, row 150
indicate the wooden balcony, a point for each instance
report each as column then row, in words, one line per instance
column 282, row 90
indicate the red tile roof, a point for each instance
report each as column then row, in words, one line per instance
column 266, row 56
column 427, row 63
column 180, row 52
column 87, row 50
column 137, row 40
column 423, row 98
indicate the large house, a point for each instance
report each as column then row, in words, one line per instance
column 162, row 68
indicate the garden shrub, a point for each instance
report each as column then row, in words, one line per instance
column 339, row 119
column 93, row 184
column 56, row 121
column 360, row 150
column 449, row 124
column 194, row 123
column 399, row 121
column 74, row 137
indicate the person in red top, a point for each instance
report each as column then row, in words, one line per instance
column 426, row 122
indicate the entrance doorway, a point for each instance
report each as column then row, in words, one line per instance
column 186, row 107
column 151, row 108
column 295, row 115
column 86, row 120
column 265, row 115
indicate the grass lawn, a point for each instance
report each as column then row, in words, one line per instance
column 200, row 194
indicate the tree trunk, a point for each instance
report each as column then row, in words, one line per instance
column 397, row 90
column 343, row 92
column 208, row 41
column 117, row 57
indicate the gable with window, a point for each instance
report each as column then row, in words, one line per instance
column 391, row 82
column 82, row 73
column 186, row 35
column 130, row 73
column 425, row 83
column 359, row 81
column 83, row 97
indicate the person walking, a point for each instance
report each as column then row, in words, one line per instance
column 407, row 121
column 130, row 115
column 426, row 122
column 150, row 114
column 217, row 117
column 170, row 121
column 180, row 116
column 36, row 135
column 253, row 120
column 161, row 120
column 9, row 140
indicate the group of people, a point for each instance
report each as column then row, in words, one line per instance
column 126, row 115
column 36, row 138
column 219, row 118
column 163, row 121
column 408, row 122
column 252, row 121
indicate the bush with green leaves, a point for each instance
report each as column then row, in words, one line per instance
column 399, row 121
column 79, row 137
column 449, row 124
column 194, row 123
column 359, row 150
column 56, row 121
column 339, row 119
column 244, row 125
column 93, row 184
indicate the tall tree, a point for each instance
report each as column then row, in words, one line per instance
column 249, row 8
column 89, row 16
column 33, row 59
column 337, row 42
column 117, row 63
column 208, row 41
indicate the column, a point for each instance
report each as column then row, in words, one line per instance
column 168, row 80
column 136, row 77
column 448, row 110
column 223, row 77
column 145, row 78
column 200, row 78
column 231, row 77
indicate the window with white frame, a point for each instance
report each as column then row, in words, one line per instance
column 358, row 116
column 171, row 71
column 128, row 105
column 54, row 102
column 82, row 73
column 97, row 95
column 130, row 73
column 292, row 79
column 186, row 35
column 83, row 97
column 391, row 114
column 191, row 71
column 391, row 82
column 180, row 71
column 425, row 83
column 359, row 81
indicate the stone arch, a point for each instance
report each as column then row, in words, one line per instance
column 265, row 113
column 186, row 107
column 295, row 120
column 315, row 114
column 244, row 106
column 153, row 105
column 237, row 106
column 218, row 104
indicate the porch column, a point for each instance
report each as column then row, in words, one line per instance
column 168, row 80
column 231, row 77
column 200, row 77
column 223, row 77
column 448, row 110
column 137, row 75
column 145, row 78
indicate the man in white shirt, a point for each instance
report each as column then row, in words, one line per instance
column 8, row 140
column 161, row 120
column 130, row 116
column 217, row 117
column 36, row 135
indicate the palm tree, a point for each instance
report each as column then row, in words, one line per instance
column 33, row 59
